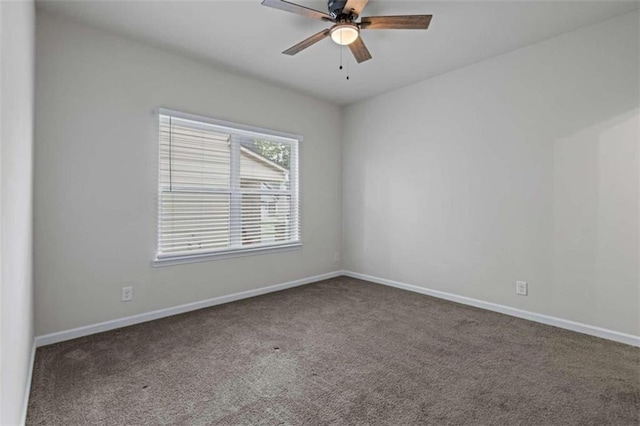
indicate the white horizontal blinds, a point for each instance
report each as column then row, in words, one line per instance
column 193, row 156
column 194, row 188
column 224, row 189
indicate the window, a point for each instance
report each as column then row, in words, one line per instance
column 224, row 188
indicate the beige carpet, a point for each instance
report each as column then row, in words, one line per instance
column 341, row 351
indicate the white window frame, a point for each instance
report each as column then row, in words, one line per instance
column 295, row 244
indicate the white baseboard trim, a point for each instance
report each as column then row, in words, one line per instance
column 27, row 390
column 61, row 336
column 591, row 330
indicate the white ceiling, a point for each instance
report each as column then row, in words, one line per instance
column 245, row 37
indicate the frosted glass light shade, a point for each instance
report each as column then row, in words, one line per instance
column 344, row 34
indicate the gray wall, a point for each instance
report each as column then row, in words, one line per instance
column 520, row 167
column 17, row 30
column 96, row 176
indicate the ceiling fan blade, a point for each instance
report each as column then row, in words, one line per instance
column 355, row 6
column 296, row 8
column 307, row 42
column 402, row 22
column 359, row 50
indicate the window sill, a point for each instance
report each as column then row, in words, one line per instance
column 228, row 254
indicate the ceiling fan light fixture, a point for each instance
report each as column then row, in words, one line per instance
column 344, row 34
column 345, row 31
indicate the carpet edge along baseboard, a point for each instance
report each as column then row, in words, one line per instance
column 603, row 333
column 60, row 336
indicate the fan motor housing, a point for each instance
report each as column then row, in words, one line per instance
column 335, row 7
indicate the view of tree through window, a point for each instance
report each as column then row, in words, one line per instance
column 279, row 153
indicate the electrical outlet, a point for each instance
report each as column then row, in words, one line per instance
column 522, row 288
column 336, row 256
column 127, row 294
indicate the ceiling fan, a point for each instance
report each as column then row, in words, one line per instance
column 346, row 31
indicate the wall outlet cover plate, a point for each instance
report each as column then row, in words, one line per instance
column 521, row 288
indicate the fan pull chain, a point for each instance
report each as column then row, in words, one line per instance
column 347, row 69
column 341, row 55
